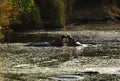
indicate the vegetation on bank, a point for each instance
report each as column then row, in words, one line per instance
column 18, row 15
column 52, row 13
column 29, row 16
column 8, row 14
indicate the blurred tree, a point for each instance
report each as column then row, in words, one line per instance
column 30, row 15
column 85, row 11
column 69, row 10
column 112, row 8
column 52, row 13
column 8, row 12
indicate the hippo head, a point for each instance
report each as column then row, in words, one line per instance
column 66, row 39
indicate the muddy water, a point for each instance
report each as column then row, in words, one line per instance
column 96, row 60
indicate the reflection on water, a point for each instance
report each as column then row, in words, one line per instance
column 68, row 78
column 100, row 51
column 2, row 67
column 25, row 38
column 25, row 63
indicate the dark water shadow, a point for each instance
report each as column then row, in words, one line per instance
column 36, row 44
column 26, row 38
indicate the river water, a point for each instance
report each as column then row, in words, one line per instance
column 98, row 59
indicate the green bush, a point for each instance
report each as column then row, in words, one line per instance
column 52, row 13
column 30, row 15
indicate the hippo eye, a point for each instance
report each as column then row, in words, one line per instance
column 65, row 41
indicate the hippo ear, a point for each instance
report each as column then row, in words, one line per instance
column 69, row 35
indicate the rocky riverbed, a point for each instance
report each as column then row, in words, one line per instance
column 98, row 59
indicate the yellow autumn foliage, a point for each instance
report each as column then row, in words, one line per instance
column 8, row 12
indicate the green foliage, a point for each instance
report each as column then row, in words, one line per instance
column 5, row 13
column 30, row 15
column 24, row 5
column 7, row 10
column 52, row 13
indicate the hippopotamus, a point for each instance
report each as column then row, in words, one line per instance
column 64, row 40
